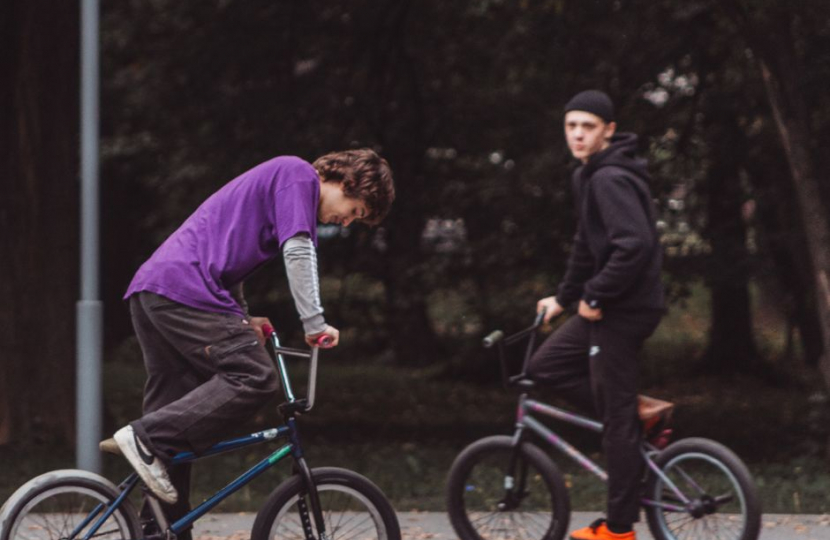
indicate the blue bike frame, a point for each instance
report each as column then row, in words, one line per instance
column 292, row 447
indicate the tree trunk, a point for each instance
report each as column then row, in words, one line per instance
column 731, row 341
column 38, row 217
column 773, row 45
column 783, row 234
column 393, row 80
column 796, row 140
column 412, row 335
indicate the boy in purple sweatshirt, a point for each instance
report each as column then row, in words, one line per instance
column 207, row 369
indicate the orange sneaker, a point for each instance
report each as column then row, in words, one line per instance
column 598, row 530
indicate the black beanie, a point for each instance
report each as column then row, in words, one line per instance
column 592, row 101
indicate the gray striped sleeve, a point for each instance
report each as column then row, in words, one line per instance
column 300, row 258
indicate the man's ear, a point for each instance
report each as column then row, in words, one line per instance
column 610, row 129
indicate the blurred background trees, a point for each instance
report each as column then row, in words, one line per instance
column 465, row 102
column 38, row 218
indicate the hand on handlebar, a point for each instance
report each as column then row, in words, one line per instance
column 259, row 324
column 328, row 338
column 550, row 307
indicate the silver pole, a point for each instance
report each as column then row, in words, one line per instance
column 89, row 308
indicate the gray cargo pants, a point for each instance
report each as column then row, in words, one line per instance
column 206, row 374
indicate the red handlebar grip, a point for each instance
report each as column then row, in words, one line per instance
column 325, row 341
column 267, row 329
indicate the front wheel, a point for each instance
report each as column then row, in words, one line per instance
column 487, row 502
column 353, row 509
column 66, row 504
column 706, row 492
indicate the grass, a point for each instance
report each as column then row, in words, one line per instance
column 402, row 428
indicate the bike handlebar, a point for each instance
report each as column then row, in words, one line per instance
column 498, row 337
column 492, row 338
column 323, row 341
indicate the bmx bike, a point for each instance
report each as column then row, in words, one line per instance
column 313, row 504
column 507, row 487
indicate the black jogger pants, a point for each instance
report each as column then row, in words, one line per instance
column 594, row 365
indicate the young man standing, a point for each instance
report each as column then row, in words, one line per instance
column 614, row 275
column 207, row 369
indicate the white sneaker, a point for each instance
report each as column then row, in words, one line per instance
column 148, row 467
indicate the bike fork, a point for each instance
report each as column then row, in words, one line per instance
column 513, row 490
column 314, row 499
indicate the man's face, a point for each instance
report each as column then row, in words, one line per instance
column 587, row 134
column 338, row 209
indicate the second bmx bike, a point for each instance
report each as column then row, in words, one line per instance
column 506, row 487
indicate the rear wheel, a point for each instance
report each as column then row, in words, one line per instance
column 708, row 493
column 353, row 509
column 485, row 503
column 66, row 504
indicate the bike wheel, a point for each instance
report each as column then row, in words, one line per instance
column 484, row 504
column 721, row 500
column 353, row 508
column 62, row 504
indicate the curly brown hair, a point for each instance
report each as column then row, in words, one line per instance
column 364, row 175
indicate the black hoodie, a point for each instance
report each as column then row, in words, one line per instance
column 616, row 258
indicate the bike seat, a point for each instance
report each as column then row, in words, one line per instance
column 109, row 446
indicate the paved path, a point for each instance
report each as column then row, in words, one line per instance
column 435, row 526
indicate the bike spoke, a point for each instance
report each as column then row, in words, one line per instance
column 292, row 525
column 361, row 525
column 521, row 524
column 540, row 522
column 347, row 515
column 723, row 499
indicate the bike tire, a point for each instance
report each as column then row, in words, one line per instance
column 723, row 500
column 476, row 487
column 53, row 504
column 352, row 505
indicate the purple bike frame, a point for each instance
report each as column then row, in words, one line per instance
column 525, row 420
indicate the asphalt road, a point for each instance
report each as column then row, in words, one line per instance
column 435, row 526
